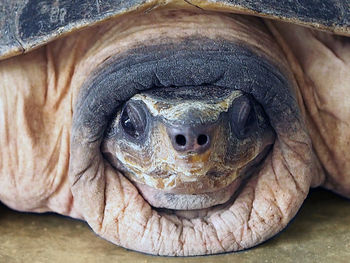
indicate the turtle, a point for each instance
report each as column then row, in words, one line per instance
column 174, row 128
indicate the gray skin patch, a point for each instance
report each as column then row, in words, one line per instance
column 191, row 62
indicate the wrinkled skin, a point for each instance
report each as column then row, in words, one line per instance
column 48, row 164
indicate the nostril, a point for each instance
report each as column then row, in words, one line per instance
column 180, row 140
column 202, row 139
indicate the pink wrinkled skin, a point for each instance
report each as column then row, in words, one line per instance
column 38, row 92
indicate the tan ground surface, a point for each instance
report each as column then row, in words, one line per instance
column 319, row 233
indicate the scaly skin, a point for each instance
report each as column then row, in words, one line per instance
column 40, row 89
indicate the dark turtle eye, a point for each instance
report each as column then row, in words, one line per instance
column 243, row 117
column 133, row 119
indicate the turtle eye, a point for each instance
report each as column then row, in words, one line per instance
column 133, row 119
column 243, row 117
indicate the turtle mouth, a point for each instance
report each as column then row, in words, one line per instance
column 200, row 197
column 197, row 203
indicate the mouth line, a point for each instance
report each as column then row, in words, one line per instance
column 207, row 183
column 204, row 203
column 159, row 199
column 204, row 212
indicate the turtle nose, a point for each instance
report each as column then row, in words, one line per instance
column 196, row 139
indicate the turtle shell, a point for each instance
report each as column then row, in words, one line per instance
column 27, row 24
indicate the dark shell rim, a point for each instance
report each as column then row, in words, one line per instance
column 60, row 18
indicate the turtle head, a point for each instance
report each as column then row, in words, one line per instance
column 188, row 147
column 187, row 136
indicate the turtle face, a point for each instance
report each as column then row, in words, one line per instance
column 187, row 133
column 188, row 148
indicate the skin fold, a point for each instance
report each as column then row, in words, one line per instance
column 45, row 164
